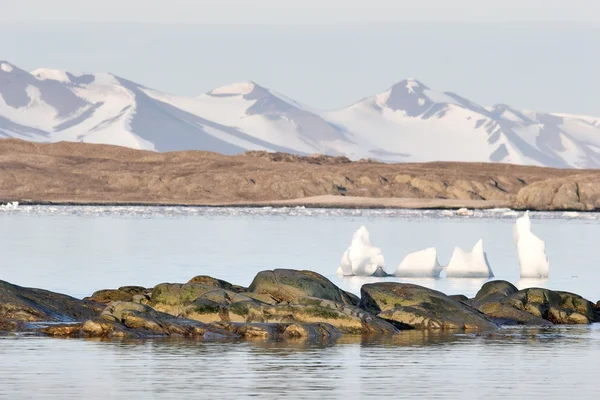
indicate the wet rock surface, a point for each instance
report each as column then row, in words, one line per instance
column 281, row 305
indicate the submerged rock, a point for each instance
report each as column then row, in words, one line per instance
column 278, row 331
column 417, row 307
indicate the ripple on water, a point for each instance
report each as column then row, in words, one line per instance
column 513, row 363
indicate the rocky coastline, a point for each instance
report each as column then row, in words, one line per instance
column 279, row 305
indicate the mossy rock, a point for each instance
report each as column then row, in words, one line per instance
column 556, row 307
column 494, row 291
column 218, row 283
column 346, row 318
column 421, row 308
column 285, row 285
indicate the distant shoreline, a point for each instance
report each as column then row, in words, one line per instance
column 327, row 201
column 68, row 173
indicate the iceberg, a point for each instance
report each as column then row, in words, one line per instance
column 531, row 250
column 10, row 206
column 474, row 264
column 362, row 258
column 465, row 212
column 420, row 264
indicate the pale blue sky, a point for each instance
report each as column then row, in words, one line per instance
column 535, row 54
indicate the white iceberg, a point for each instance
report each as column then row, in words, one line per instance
column 474, row 264
column 10, row 206
column 420, row 264
column 362, row 258
column 531, row 250
column 465, row 212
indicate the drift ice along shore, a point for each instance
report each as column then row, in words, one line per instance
column 420, row 264
column 362, row 258
column 531, row 250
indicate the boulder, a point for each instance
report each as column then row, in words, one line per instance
column 285, row 285
column 504, row 314
column 218, row 283
column 556, row 307
column 31, row 305
column 494, row 291
column 125, row 293
column 127, row 319
column 408, row 305
column 193, row 298
column 347, row 318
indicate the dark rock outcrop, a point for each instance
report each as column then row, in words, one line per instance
column 285, row 285
column 124, row 293
column 556, row 307
column 31, row 305
column 421, row 308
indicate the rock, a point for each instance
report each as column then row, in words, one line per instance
column 70, row 330
column 355, row 299
column 459, row 297
column 279, row 331
column 575, row 192
column 504, row 314
column 196, row 301
column 494, row 291
column 125, row 293
column 414, row 306
column 132, row 320
column 489, row 300
column 26, row 304
column 556, row 307
column 288, row 285
column 346, row 318
column 210, row 281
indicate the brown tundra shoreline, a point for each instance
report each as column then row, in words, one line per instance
column 91, row 174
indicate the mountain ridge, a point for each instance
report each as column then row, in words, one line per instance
column 409, row 122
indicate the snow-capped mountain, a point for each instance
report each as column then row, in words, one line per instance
column 408, row 122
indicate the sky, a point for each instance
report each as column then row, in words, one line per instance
column 532, row 54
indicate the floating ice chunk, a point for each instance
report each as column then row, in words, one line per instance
column 10, row 206
column 531, row 250
column 571, row 214
column 362, row 258
column 469, row 265
column 464, row 212
column 420, row 264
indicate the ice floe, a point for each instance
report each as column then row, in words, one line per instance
column 531, row 250
column 362, row 258
column 420, row 264
column 473, row 264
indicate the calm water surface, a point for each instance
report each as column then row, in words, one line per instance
column 77, row 250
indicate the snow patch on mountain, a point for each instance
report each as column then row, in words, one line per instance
column 407, row 122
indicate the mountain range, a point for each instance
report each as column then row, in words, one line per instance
column 409, row 122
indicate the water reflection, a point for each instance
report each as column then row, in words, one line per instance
column 548, row 361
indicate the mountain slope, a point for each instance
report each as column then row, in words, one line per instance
column 408, row 122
